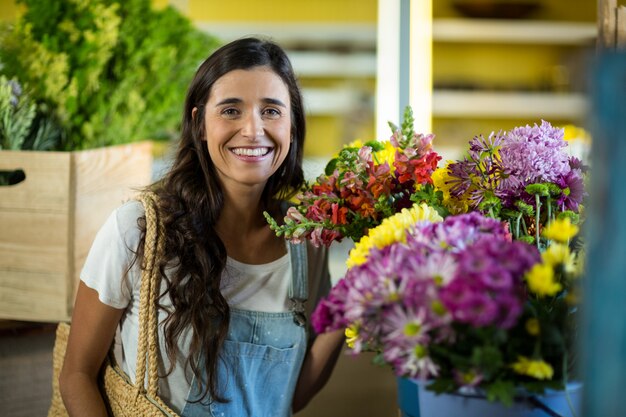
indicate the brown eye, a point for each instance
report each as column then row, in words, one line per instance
column 272, row 113
column 230, row 112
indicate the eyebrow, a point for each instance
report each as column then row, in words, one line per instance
column 235, row 100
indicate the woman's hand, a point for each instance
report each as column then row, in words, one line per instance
column 92, row 332
column 317, row 367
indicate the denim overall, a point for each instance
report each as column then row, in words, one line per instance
column 261, row 357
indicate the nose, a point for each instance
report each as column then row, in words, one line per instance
column 252, row 126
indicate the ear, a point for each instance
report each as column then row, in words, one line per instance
column 194, row 112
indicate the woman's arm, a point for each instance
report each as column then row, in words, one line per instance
column 92, row 332
column 317, row 367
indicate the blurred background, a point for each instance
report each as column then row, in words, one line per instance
column 467, row 68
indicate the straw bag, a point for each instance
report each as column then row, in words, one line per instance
column 122, row 396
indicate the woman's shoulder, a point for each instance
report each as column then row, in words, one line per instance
column 127, row 214
column 122, row 224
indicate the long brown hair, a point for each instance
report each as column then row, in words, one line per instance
column 190, row 201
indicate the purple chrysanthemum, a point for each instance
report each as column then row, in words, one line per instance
column 407, row 296
column 504, row 164
column 489, row 287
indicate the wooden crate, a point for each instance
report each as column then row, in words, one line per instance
column 49, row 220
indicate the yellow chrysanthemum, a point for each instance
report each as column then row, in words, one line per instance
column 388, row 154
column 352, row 334
column 391, row 230
column 560, row 230
column 559, row 254
column 532, row 326
column 441, row 179
column 534, row 368
column 541, row 280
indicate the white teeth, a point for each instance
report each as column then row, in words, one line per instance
column 251, row 151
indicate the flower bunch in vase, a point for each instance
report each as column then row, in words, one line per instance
column 484, row 298
column 528, row 179
column 364, row 184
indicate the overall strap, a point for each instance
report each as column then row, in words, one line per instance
column 299, row 285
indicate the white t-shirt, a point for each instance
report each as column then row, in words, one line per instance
column 248, row 287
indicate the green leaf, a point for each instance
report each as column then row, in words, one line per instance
column 502, row 391
column 331, row 166
column 442, row 386
column 488, row 359
column 379, row 360
column 375, row 145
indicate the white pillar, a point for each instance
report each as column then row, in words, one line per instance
column 404, row 63
column 421, row 64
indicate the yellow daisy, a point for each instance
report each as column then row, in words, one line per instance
column 560, row 230
column 534, row 368
column 352, row 334
column 541, row 280
column 559, row 254
column 391, row 230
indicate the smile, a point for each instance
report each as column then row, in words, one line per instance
column 251, row 152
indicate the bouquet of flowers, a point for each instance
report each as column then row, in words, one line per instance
column 524, row 177
column 362, row 185
column 486, row 298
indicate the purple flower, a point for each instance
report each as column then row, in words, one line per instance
column 409, row 359
column 510, row 309
column 573, row 190
column 408, row 296
column 480, row 145
column 461, row 174
column 329, row 313
column 488, row 290
column 532, row 154
column 546, row 135
column 502, row 165
column 455, row 233
column 467, row 379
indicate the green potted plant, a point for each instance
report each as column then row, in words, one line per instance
column 91, row 81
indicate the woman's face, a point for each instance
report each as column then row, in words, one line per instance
column 248, row 125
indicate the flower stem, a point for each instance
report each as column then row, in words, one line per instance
column 549, row 203
column 567, row 396
column 537, row 215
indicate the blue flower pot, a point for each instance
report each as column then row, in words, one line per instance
column 415, row 401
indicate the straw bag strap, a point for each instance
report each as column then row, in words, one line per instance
column 147, row 343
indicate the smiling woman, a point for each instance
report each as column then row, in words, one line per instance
column 233, row 307
column 248, row 126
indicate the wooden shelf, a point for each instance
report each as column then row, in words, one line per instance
column 331, row 64
column 447, row 103
column 513, row 31
column 330, row 101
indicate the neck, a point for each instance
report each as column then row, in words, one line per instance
column 242, row 213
